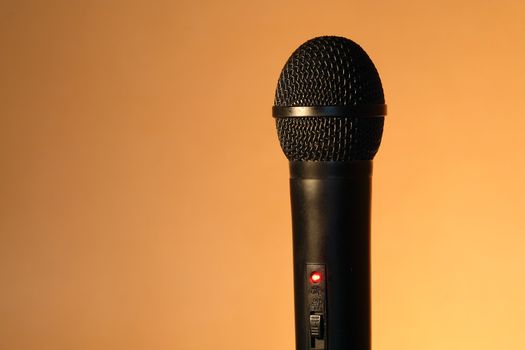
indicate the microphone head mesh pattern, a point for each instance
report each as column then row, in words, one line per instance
column 329, row 71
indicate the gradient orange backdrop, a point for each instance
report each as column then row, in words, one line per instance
column 144, row 197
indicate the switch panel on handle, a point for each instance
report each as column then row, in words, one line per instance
column 316, row 297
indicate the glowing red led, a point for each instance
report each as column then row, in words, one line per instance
column 316, row 277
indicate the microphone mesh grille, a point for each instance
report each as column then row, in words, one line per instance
column 329, row 71
column 330, row 139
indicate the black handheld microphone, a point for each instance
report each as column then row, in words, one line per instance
column 329, row 111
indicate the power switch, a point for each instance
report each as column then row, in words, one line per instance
column 316, row 326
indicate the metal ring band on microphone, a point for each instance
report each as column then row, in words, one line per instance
column 329, row 111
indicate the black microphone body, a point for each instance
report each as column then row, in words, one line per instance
column 329, row 111
column 331, row 236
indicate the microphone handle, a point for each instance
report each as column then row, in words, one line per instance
column 331, row 252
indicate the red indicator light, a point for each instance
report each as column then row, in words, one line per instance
column 316, row 277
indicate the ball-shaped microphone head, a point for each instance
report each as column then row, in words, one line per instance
column 329, row 102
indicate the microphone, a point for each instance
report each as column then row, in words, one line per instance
column 329, row 111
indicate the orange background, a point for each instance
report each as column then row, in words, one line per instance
column 144, row 197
